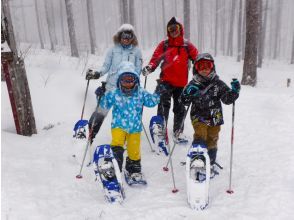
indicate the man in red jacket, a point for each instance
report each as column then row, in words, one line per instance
column 174, row 53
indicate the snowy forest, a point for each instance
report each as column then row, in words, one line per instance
column 52, row 56
column 214, row 26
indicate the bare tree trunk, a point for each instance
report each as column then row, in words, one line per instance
column 277, row 29
column 231, row 29
column 124, row 11
column 292, row 57
column 39, row 25
column 250, row 68
column 163, row 18
column 155, row 21
column 62, row 21
column 50, row 26
column 216, row 26
column 239, row 39
column 132, row 18
column 16, row 80
column 24, row 21
column 243, row 36
column 262, row 31
column 223, row 27
column 51, row 10
column 71, row 29
column 187, row 18
column 91, row 25
column 200, row 26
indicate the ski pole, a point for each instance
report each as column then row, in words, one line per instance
column 170, row 155
column 150, row 145
column 230, row 191
column 85, row 98
column 174, row 190
column 79, row 176
column 81, row 123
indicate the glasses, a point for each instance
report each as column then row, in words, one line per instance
column 204, row 65
column 173, row 28
column 127, row 35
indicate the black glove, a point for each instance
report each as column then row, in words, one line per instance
column 92, row 75
column 161, row 89
column 235, row 86
column 146, row 70
column 100, row 91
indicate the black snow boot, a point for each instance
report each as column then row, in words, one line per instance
column 133, row 166
column 118, row 153
column 212, row 155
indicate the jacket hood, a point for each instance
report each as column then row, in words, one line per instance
column 122, row 28
column 127, row 67
column 175, row 20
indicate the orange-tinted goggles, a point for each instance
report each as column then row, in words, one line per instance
column 204, row 65
column 128, row 81
column 173, row 28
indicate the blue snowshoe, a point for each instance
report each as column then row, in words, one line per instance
column 108, row 174
column 159, row 134
column 80, row 129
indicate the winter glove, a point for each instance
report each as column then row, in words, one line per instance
column 161, row 89
column 146, row 70
column 100, row 91
column 235, row 84
column 92, row 75
column 190, row 93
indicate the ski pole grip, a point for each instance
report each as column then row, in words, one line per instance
column 234, row 79
column 103, row 84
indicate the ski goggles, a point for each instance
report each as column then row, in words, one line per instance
column 173, row 28
column 204, row 65
column 128, row 81
column 127, row 35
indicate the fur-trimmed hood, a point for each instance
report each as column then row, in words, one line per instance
column 125, row 27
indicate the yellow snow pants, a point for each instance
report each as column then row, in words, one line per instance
column 119, row 137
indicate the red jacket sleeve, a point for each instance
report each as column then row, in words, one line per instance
column 193, row 52
column 157, row 56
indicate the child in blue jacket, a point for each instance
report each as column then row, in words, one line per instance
column 127, row 101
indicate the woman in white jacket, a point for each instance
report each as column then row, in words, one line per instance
column 125, row 49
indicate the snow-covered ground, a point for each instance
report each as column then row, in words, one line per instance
column 38, row 172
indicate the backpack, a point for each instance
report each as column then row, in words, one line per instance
column 186, row 47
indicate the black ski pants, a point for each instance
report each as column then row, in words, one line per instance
column 178, row 108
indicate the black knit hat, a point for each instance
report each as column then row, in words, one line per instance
column 172, row 21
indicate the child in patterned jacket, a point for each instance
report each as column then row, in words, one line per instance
column 127, row 102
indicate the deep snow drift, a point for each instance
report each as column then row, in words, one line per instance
column 38, row 172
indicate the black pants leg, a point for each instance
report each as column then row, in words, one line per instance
column 179, row 110
column 99, row 118
column 118, row 153
column 164, row 105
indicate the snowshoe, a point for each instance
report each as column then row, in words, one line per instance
column 80, row 130
column 135, row 178
column 158, row 134
column 198, row 176
column 108, row 174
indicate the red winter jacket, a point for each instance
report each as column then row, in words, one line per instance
column 174, row 69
